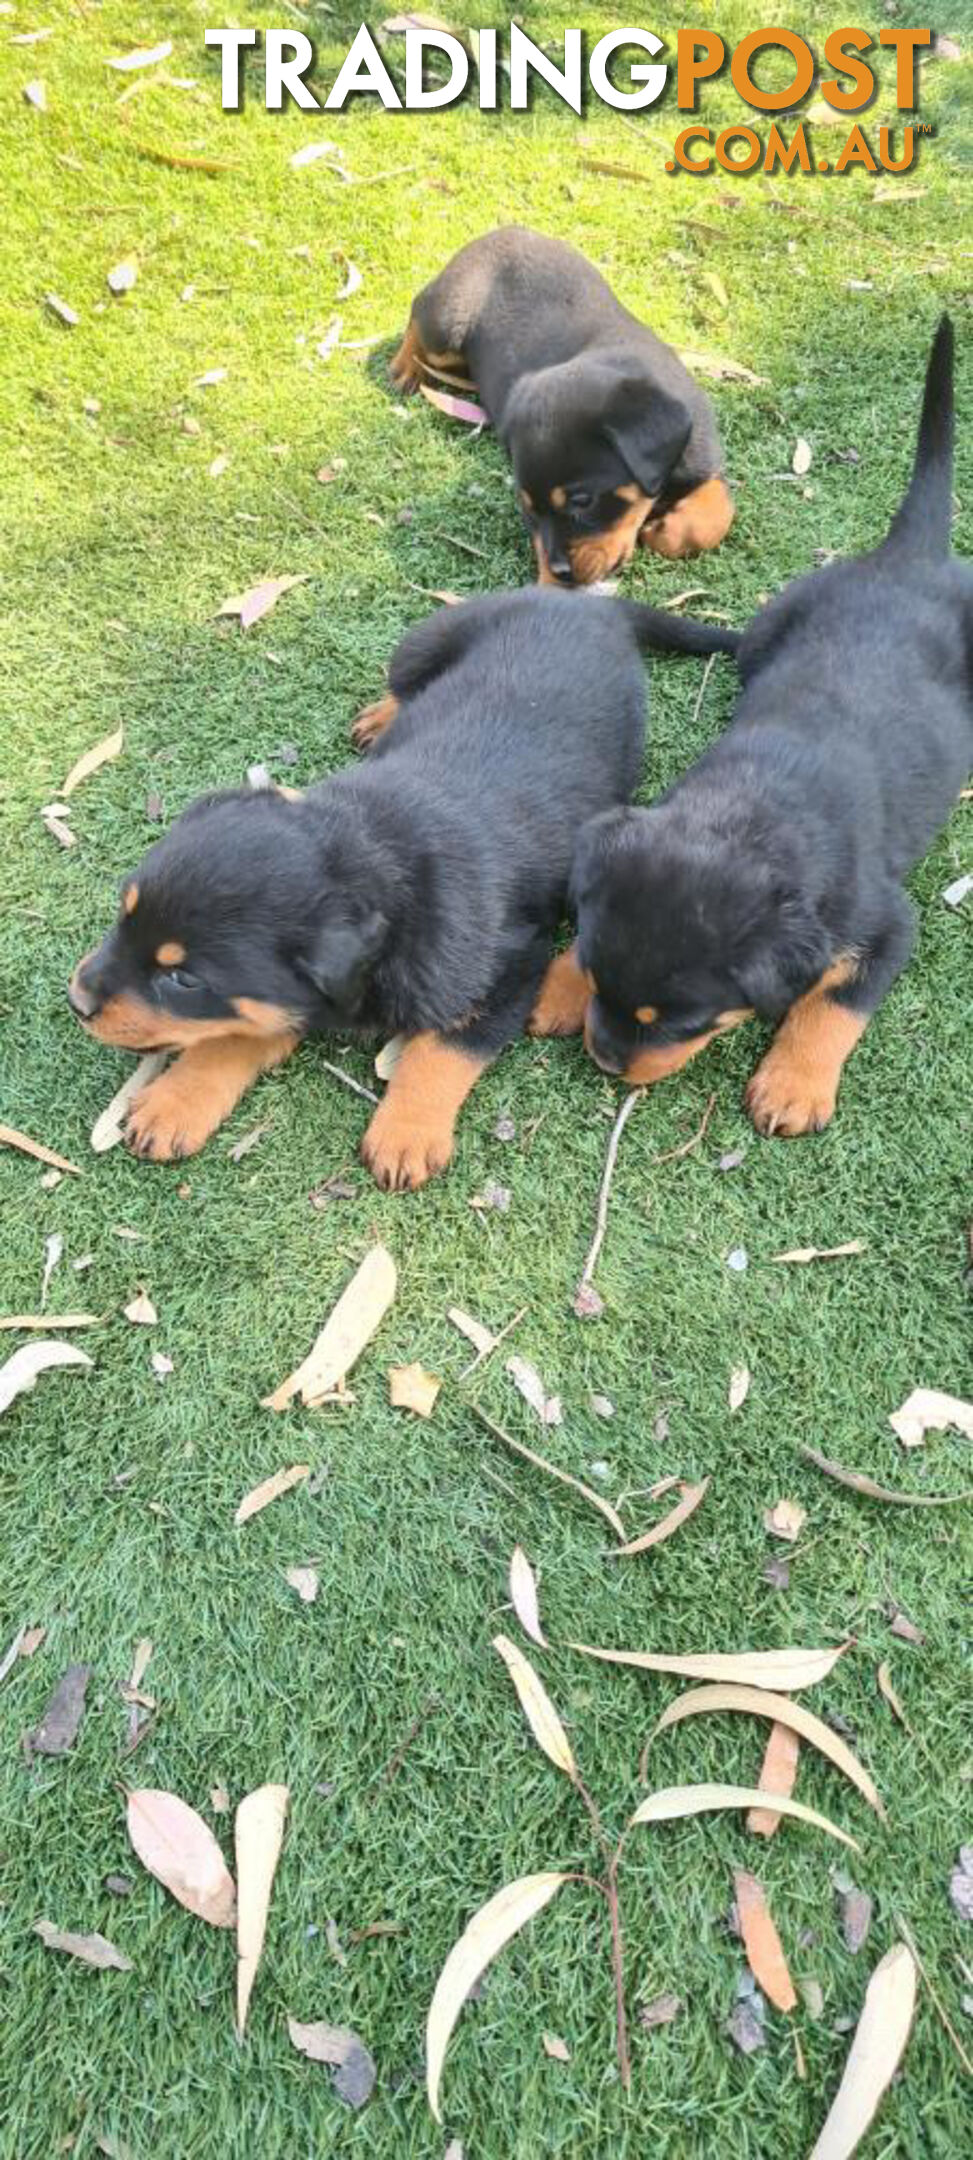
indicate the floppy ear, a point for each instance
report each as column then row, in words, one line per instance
column 592, row 849
column 649, row 430
column 786, row 955
column 342, row 956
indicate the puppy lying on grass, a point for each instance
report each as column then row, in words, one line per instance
column 768, row 880
column 416, row 894
column 610, row 438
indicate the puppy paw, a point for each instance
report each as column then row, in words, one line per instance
column 404, row 366
column 698, row 521
column 785, row 1098
column 563, row 999
column 373, row 721
column 403, row 1154
column 169, row 1120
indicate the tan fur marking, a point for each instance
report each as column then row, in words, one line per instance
column 373, row 721
column 563, row 998
column 795, row 1087
column 290, row 794
column 646, row 1013
column 601, row 555
column 176, row 1114
column 171, row 954
column 410, row 1137
column 130, row 899
column 558, row 497
column 650, row 1065
column 629, row 492
column 698, row 521
column 129, row 1024
column 405, row 367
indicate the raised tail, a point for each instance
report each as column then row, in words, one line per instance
column 656, row 630
column 921, row 525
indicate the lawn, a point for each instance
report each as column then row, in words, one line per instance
column 415, row 1788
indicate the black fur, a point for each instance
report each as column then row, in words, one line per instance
column 583, row 396
column 786, row 845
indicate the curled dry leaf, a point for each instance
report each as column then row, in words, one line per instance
column 555, row 2047
column 778, row 1773
column 765, row 1955
column 344, row 2053
column 528, row 1382
column 258, row 1834
column 875, row 2054
column 258, row 600
column 739, row 1386
column 179, row 1849
column 785, row 1520
column 674, row 1802
column 102, row 753
column 785, row 1670
column 884, row 1678
column 351, row 282
column 523, row 1596
column 801, row 1255
column 90, row 1949
column 55, row 825
column 803, row 454
column 857, row 1481
column 10, row 1137
column 141, row 1312
column 28, row 1322
column 686, row 1505
column 720, row 370
column 359, row 1310
column 305, row 1581
column 660, row 2011
column 929, row 1410
column 60, row 1724
column 537, row 1707
column 475, row 1332
column 456, row 408
column 282, row 1481
column 563, row 1477
column 108, row 1129
column 411, row 1387
column 490, row 1928
column 145, row 56
column 757, row 1702
column 19, row 1375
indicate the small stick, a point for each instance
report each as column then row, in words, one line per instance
column 707, row 672
column 601, row 1218
column 395, row 1761
column 673, row 1154
column 482, row 1355
column 941, row 2011
column 355, row 1085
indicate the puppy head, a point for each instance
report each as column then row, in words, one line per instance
column 685, row 933
column 592, row 445
column 244, row 919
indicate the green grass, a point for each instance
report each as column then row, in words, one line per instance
column 119, row 549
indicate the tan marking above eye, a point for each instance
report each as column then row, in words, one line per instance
column 647, row 1014
column 171, row 954
column 630, row 493
column 558, row 498
column 130, row 899
column 735, row 1018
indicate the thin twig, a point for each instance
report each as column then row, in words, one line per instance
column 355, row 1085
column 601, row 1218
column 673, row 1154
column 482, row 1355
column 618, row 1968
column 707, row 672
column 564, row 1477
column 940, row 2007
column 395, row 1761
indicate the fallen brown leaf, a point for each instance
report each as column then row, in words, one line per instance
column 54, row 822
column 961, row 1884
column 31, row 1322
column 309, row 153
column 358, row 1313
column 412, row 1388
column 905, row 1629
column 876, row 2052
column 884, row 1678
column 717, row 288
column 179, row 1849
column 219, row 1800
column 344, row 2053
column 250, row 1140
column 739, row 1387
column 785, row 1520
column 305, row 1581
column 523, row 1596
column 124, row 275
column 475, row 1332
column 778, row 1773
column 351, row 282
column 855, row 1907
column 801, row 459
column 537, row 1707
column 720, row 370
column 765, row 1955
column 456, row 408
column 109, row 1128
column 142, row 57
column 141, row 1312
column 857, row 1481
column 555, row 2047
column 563, row 1477
column 757, row 1702
column 35, row 93
column 282, row 1481
column 529, row 1384
column 19, row 1375
column 31, row 1641
column 10, row 1137
column 483, row 1937
column 388, row 1057
column 929, row 1410
column 258, row 1833
column 747, row 2021
column 60, row 308
column 675, row 1802
column 803, row 1254
column 690, row 1499
column 180, row 163
column 59, row 1726
column 660, row 2011
column 887, row 192
column 258, row 600
column 90, row 1949
column 784, row 1670
column 102, row 753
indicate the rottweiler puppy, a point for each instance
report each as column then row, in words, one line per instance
column 610, row 439
column 768, row 880
column 415, row 894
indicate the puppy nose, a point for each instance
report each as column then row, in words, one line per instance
column 562, row 571
column 83, row 1002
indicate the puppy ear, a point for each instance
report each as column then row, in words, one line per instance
column 785, row 956
column 592, row 847
column 649, row 430
column 342, row 956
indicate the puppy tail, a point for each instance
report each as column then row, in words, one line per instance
column 921, row 525
column 656, row 630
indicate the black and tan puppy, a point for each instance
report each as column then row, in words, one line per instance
column 416, row 894
column 768, row 880
column 611, row 440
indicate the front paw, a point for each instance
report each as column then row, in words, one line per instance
column 169, row 1120
column 373, row 721
column 786, row 1099
column 403, row 1154
column 562, row 1000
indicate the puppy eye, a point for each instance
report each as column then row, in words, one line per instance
column 581, row 498
column 179, row 977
